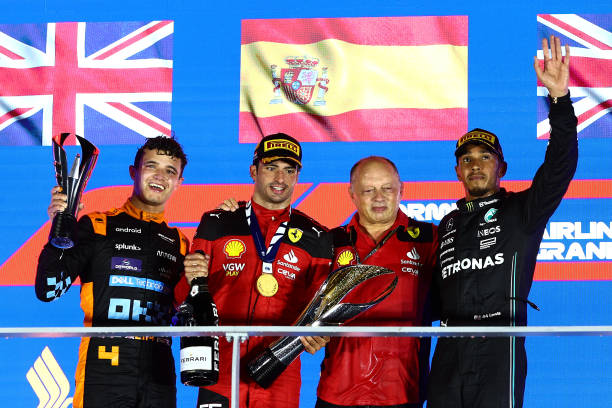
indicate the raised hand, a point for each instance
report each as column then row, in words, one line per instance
column 555, row 73
column 59, row 202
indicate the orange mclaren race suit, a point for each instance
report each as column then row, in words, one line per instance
column 129, row 262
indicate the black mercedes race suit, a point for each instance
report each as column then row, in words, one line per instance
column 129, row 262
column 487, row 257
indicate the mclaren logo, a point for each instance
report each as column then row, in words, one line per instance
column 294, row 234
column 49, row 382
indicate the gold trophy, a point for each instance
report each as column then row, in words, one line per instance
column 347, row 292
column 72, row 183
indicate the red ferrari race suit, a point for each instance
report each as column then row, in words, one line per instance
column 129, row 262
column 301, row 264
column 383, row 371
column 488, row 251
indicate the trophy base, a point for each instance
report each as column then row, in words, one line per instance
column 62, row 242
column 62, row 230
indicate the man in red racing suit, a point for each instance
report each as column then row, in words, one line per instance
column 237, row 276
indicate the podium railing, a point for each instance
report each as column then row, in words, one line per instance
column 238, row 334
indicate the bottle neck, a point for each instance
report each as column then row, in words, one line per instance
column 200, row 281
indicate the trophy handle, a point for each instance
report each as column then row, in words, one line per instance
column 274, row 360
column 62, row 230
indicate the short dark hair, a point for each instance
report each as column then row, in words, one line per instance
column 164, row 145
column 373, row 158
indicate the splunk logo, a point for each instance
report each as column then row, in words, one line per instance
column 49, row 382
column 130, row 247
column 433, row 211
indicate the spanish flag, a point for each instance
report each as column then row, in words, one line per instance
column 354, row 79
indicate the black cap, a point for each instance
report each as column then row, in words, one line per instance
column 479, row 136
column 278, row 146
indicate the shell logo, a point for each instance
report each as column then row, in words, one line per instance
column 345, row 257
column 234, row 248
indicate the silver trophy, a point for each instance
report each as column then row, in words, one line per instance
column 72, row 183
column 359, row 286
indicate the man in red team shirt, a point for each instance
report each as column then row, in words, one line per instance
column 264, row 263
column 381, row 371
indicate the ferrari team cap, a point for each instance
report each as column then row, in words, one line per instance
column 479, row 136
column 278, row 146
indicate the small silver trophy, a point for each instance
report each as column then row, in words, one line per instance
column 72, row 183
column 360, row 286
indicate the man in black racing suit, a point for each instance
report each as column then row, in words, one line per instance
column 487, row 254
column 128, row 261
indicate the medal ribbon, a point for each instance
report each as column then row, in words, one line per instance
column 267, row 255
column 376, row 248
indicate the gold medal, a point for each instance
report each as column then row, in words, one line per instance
column 267, row 285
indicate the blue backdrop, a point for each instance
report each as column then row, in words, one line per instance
column 563, row 371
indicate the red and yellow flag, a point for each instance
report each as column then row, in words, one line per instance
column 354, row 79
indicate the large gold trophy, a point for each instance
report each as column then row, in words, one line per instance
column 347, row 292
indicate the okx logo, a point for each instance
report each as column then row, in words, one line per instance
column 49, row 382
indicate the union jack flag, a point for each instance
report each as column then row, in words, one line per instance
column 108, row 82
column 590, row 43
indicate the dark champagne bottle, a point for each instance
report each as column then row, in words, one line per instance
column 199, row 355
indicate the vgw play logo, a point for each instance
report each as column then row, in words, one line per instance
column 49, row 382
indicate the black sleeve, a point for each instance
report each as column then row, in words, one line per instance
column 58, row 269
column 432, row 310
column 553, row 177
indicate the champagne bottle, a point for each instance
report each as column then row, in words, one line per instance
column 199, row 355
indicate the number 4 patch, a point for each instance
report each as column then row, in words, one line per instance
column 112, row 355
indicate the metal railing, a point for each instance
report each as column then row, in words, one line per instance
column 238, row 334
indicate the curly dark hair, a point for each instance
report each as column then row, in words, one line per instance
column 164, row 145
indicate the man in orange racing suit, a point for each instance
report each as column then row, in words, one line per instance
column 128, row 261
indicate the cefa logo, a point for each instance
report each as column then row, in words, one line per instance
column 49, row 382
